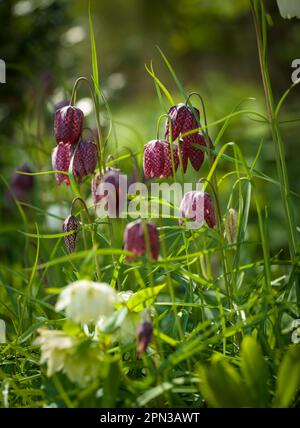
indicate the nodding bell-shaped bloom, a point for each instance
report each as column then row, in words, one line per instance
column 84, row 163
column 99, row 193
column 61, row 156
column 157, row 160
column 135, row 240
column 71, row 224
column 197, row 207
column 196, row 155
column 68, row 124
column 85, row 159
column 144, row 337
column 182, row 120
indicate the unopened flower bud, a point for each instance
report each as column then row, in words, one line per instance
column 231, row 222
column 144, row 337
column 71, row 224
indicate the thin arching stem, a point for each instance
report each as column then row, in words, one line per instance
column 99, row 142
column 90, row 222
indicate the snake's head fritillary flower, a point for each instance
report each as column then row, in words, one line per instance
column 197, row 207
column 85, row 159
column 61, row 156
column 144, row 337
column 71, row 224
column 157, row 161
column 87, row 301
column 101, row 191
column 183, row 120
column 136, row 242
column 196, row 155
column 68, row 124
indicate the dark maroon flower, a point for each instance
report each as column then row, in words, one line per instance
column 84, row 162
column 144, row 337
column 111, row 176
column 21, row 185
column 197, row 207
column 184, row 151
column 182, row 120
column 61, row 156
column 157, row 160
column 134, row 239
column 196, row 155
column 85, row 158
column 209, row 213
column 22, row 181
column 68, row 124
column 71, row 224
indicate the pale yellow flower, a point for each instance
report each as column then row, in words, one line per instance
column 87, row 301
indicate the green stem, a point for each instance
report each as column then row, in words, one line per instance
column 99, row 142
column 91, row 229
column 261, row 38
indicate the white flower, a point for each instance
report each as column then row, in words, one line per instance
column 85, row 365
column 289, row 8
column 55, row 347
column 86, row 301
column 127, row 332
column 81, row 362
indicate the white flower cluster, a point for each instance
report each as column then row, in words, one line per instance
column 80, row 357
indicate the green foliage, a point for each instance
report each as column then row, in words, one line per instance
column 224, row 385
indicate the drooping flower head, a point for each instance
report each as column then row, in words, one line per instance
column 84, row 163
column 197, row 207
column 85, row 159
column 68, row 124
column 183, row 120
column 135, row 240
column 86, row 301
column 196, row 155
column 61, row 156
column 71, row 224
column 99, row 185
column 144, row 337
column 157, row 161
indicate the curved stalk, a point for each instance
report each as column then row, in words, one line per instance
column 79, row 199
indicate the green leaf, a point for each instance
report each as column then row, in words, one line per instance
column 288, row 380
column 71, row 328
column 255, row 371
column 221, row 384
column 144, row 298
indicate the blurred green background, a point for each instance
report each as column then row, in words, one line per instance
column 211, row 45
